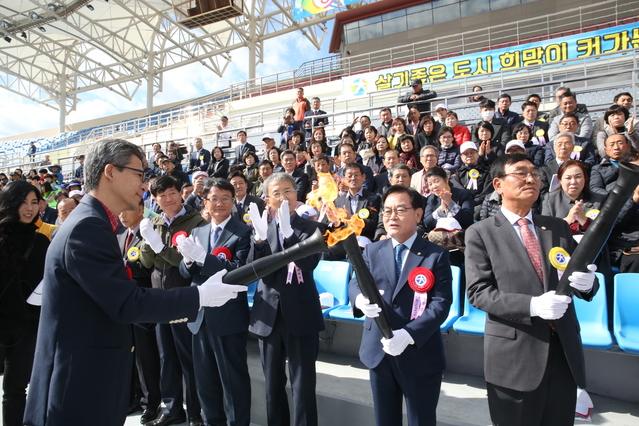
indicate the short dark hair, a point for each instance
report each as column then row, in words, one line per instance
column 117, row 152
column 265, row 162
column 614, row 109
column 354, row 165
column 568, row 94
column 238, row 173
column 43, row 171
column 218, row 148
column 322, row 157
column 185, row 185
column 529, row 103
column 622, row 94
column 415, row 197
column 533, row 95
column 505, row 95
column 487, row 103
column 339, row 147
column 569, row 115
column 485, row 125
column 287, row 152
column 498, row 169
column 399, row 166
column 436, row 171
column 165, row 182
column 241, row 131
column 386, row 109
column 218, row 183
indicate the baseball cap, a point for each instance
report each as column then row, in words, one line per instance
column 514, row 143
column 415, row 82
column 466, row 146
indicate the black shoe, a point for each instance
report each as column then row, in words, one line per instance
column 149, row 415
column 166, row 420
column 196, row 421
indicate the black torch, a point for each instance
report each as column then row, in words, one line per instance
column 367, row 283
column 598, row 232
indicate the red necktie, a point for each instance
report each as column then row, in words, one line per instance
column 127, row 243
column 532, row 246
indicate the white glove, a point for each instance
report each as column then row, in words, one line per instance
column 151, row 236
column 583, row 281
column 214, row 293
column 191, row 249
column 398, row 343
column 549, row 306
column 284, row 215
column 260, row 222
column 371, row 310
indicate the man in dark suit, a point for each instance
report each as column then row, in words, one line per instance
column 302, row 182
column 538, row 128
column 220, row 334
column 242, row 199
column 47, row 214
column 84, row 354
column 583, row 149
column 200, row 158
column 310, row 122
column 410, row 364
column 347, row 155
column 358, row 199
column 243, row 147
column 286, row 313
column 533, row 359
column 382, row 180
column 147, row 357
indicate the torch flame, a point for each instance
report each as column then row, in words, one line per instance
column 323, row 199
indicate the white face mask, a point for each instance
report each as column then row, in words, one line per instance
column 487, row 115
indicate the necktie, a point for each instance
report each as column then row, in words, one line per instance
column 127, row 243
column 399, row 252
column 216, row 235
column 532, row 246
column 240, row 209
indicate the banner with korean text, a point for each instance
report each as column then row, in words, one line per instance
column 551, row 51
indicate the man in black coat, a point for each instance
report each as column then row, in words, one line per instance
column 200, row 158
column 243, row 147
column 417, row 97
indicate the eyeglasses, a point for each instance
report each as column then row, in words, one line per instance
column 224, row 200
column 524, row 175
column 401, row 211
column 278, row 195
column 141, row 172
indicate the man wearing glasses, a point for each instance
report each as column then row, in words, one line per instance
column 533, row 358
column 286, row 313
column 84, row 355
column 220, row 334
column 410, row 364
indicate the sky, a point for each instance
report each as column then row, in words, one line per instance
column 19, row 115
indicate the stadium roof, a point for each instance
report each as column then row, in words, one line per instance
column 58, row 49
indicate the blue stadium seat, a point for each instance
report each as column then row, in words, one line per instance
column 473, row 321
column 593, row 319
column 454, row 313
column 250, row 294
column 333, row 277
column 626, row 306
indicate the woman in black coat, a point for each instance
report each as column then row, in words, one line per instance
column 219, row 167
column 446, row 201
column 22, row 254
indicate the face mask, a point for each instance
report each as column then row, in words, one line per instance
column 487, row 115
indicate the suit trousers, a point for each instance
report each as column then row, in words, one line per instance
column 147, row 362
column 176, row 360
column 302, row 354
column 222, row 377
column 551, row 404
column 16, row 353
column 389, row 385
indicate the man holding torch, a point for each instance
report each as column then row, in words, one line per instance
column 416, row 292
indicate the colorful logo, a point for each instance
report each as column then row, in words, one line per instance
column 359, row 87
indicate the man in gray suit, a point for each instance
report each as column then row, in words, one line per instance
column 533, row 358
column 220, row 334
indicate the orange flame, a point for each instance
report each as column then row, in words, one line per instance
column 323, row 199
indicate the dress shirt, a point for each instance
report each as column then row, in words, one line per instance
column 408, row 243
column 170, row 221
column 354, row 199
column 214, row 227
column 513, row 218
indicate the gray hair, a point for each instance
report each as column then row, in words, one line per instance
column 399, row 167
column 568, row 134
column 274, row 178
column 427, row 147
column 117, row 152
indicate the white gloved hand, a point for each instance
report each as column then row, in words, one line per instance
column 583, row 281
column 260, row 222
column 151, row 236
column 180, row 240
column 284, row 215
column 371, row 310
column 214, row 293
column 398, row 343
column 191, row 249
column 549, row 306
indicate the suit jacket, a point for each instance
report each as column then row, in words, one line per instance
column 197, row 161
column 426, row 356
column 501, row 136
column 309, row 119
column 547, row 171
column 298, row 302
column 233, row 316
column 370, row 201
column 501, row 280
column 242, row 149
column 84, row 353
column 140, row 274
column 219, row 169
column 239, row 216
column 586, row 154
column 49, row 215
column 302, row 184
column 382, row 182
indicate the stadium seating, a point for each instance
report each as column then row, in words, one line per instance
column 333, row 277
column 473, row 321
column 250, row 294
column 455, row 306
column 593, row 319
column 626, row 306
